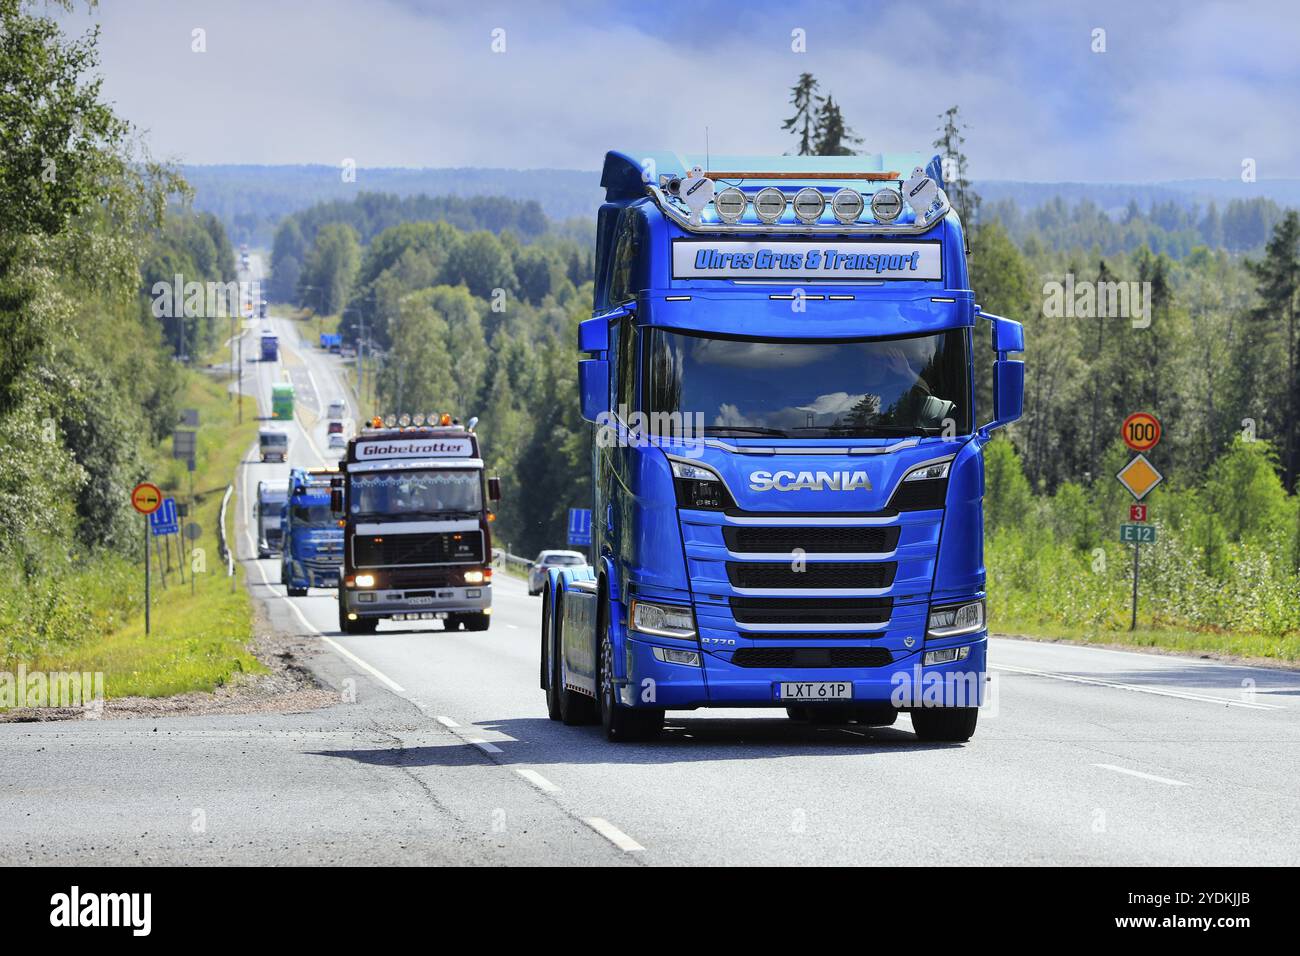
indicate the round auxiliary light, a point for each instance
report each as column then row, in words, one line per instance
column 404, row 420
column 847, row 205
column 886, row 204
column 730, row 204
column 418, row 419
column 390, row 421
column 769, row 204
column 809, row 204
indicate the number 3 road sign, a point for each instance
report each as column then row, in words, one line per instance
column 146, row 498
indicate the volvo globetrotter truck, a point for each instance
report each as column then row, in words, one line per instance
column 787, row 459
column 312, row 541
column 416, row 538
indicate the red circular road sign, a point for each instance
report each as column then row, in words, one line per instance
column 146, row 498
column 1141, row 431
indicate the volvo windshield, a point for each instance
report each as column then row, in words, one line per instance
column 416, row 493
column 810, row 389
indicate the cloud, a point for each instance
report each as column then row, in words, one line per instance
column 1183, row 90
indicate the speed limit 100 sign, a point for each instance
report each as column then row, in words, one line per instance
column 1141, row 431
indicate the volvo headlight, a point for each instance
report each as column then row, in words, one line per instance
column 956, row 619
column 365, row 580
column 936, row 470
column 662, row 620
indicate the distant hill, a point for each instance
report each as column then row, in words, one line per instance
column 251, row 200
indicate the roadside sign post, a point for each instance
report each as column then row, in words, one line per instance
column 1141, row 432
column 163, row 523
column 146, row 498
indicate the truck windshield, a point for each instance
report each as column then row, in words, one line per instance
column 314, row 516
column 809, row 389
column 416, row 492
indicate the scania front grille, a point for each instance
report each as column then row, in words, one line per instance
column 840, row 574
column 797, row 611
column 812, row 657
column 815, row 540
column 389, row 550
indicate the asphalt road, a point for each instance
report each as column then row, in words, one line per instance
column 439, row 751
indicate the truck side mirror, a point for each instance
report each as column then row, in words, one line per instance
column 593, row 385
column 494, row 489
column 1008, row 374
column 336, row 495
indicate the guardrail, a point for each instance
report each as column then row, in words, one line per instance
column 508, row 562
column 224, row 544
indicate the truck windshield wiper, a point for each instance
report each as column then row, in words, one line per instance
column 869, row 430
column 721, row 430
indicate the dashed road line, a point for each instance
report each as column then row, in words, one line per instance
column 1136, row 688
column 537, row 780
column 613, row 834
column 1139, row 773
column 447, row 722
column 483, row 745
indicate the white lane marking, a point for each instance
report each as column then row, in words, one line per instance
column 1137, row 688
column 613, row 834
column 447, row 722
column 483, row 745
column 513, row 627
column 372, row 671
column 1139, row 773
column 537, row 780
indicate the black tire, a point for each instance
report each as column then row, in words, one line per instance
column 475, row 622
column 951, row 724
column 360, row 626
column 622, row 724
column 550, row 663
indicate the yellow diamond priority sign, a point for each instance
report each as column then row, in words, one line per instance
column 1139, row 476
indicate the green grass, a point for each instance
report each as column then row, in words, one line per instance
column 197, row 642
column 1284, row 649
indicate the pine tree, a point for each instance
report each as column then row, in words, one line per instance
column 833, row 137
column 804, row 99
column 956, row 184
column 1278, row 283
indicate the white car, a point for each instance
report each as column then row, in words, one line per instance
column 338, row 408
column 551, row 559
column 338, row 441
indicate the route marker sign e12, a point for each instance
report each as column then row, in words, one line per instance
column 1137, row 533
column 1141, row 431
column 146, row 498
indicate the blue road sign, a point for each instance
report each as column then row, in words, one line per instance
column 580, row 526
column 163, row 521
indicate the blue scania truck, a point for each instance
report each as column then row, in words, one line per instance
column 787, row 457
column 312, row 539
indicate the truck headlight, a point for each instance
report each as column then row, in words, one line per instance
column 956, row 619
column 698, row 487
column 365, row 580
column 938, row 469
column 662, row 620
column 473, row 577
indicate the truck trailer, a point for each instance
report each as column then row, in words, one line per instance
column 311, row 539
column 416, row 537
column 787, row 464
column 272, row 496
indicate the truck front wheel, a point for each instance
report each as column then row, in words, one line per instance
column 622, row 723
column 951, row 724
column 475, row 622
column 359, row 626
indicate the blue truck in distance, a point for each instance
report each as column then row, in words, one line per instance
column 332, row 342
column 270, row 347
column 310, row 534
column 787, row 458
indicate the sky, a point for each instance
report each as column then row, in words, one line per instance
column 1181, row 90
